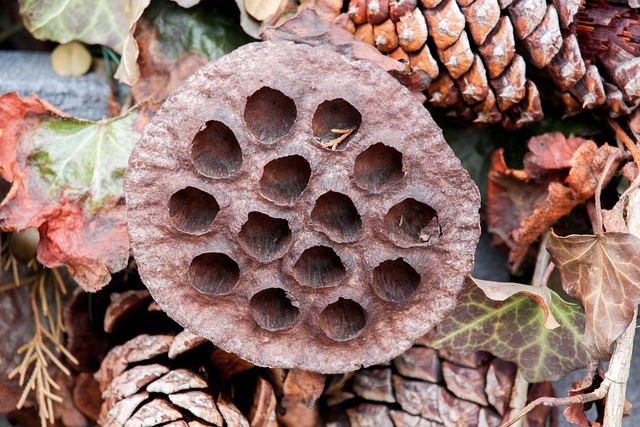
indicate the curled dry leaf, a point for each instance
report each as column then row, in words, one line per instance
column 168, row 54
column 66, row 180
column 102, row 22
column 522, row 204
column 513, row 330
column 603, row 273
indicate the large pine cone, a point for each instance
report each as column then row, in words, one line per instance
column 488, row 58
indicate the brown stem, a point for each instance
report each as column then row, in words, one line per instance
column 631, row 146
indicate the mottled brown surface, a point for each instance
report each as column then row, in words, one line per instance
column 329, row 270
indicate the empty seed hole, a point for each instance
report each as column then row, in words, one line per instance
column 284, row 179
column 378, row 166
column 273, row 310
column 412, row 221
column 192, row 210
column 334, row 122
column 215, row 151
column 319, row 267
column 395, row 280
column 343, row 320
column 336, row 215
column 213, row 273
column 269, row 114
column 265, row 238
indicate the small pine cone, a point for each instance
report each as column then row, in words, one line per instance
column 443, row 92
column 558, row 36
column 487, row 111
column 425, row 387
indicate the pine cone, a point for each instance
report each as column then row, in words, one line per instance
column 484, row 55
column 425, row 387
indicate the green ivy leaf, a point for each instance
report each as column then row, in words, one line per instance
column 80, row 159
column 104, row 22
column 514, row 330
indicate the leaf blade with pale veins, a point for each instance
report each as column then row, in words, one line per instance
column 67, row 180
column 603, row 273
column 102, row 22
column 514, row 330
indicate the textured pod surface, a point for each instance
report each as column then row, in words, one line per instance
column 309, row 216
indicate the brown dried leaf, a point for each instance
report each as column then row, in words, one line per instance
column 200, row 404
column 603, row 273
column 175, row 381
column 263, row 408
column 550, row 151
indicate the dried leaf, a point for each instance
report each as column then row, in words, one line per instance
column 67, row 180
column 521, row 207
column 102, row 22
column 168, row 54
column 550, row 151
column 500, row 291
column 603, row 273
column 128, row 71
column 514, row 330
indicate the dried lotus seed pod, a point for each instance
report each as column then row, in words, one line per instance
column 301, row 214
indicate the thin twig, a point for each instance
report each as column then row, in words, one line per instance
column 628, row 142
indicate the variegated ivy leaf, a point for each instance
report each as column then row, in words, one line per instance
column 514, row 329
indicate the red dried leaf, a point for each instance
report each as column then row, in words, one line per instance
column 522, row 204
column 67, row 180
column 603, row 273
column 550, row 151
